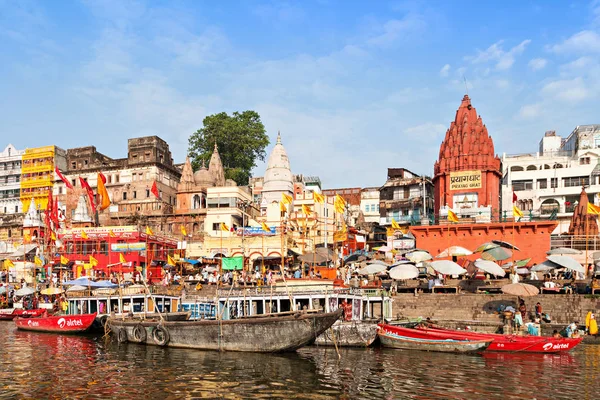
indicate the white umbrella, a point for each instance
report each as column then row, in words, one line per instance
column 77, row 288
column 418, row 256
column 562, row 250
column 453, row 251
column 522, row 271
column 405, row 271
column 25, row 291
column 401, row 262
column 383, row 248
column 377, row 262
column 490, row 267
column 448, row 267
column 372, row 269
column 543, row 267
column 567, row 262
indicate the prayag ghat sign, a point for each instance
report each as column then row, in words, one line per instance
column 465, row 180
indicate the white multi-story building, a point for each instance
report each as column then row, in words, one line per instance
column 548, row 183
column 10, row 180
column 369, row 204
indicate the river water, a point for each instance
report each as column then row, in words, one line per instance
column 48, row 366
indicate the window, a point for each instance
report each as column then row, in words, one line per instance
column 135, row 194
column 147, row 193
column 216, row 226
column 584, row 161
column 522, row 185
column 553, row 182
column 134, row 177
column 575, row 181
column 85, row 162
column 60, row 190
column 16, row 209
column 73, row 165
column 124, row 195
column 117, row 178
column 109, row 179
column 73, row 182
column 542, row 183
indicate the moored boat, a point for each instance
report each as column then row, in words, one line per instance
column 349, row 334
column 389, row 337
column 8, row 314
column 57, row 323
column 504, row 343
column 265, row 333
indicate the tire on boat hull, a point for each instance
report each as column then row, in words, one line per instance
column 160, row 334
column 122, row 335
column 139, row 333
column 103, row 320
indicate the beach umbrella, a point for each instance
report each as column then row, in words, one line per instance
column 496, row 254
column 2, row 289
column 563, row 251
column 520, row 289
column 544, row 266
column 567, row 262
column 405, row 271
column 378, row 262
column 52, row 290
column 523, row 271
column 25, row 291
column 383, row 249
column 454, row 251
column 401, row 262
column 486, row 246
column 518, row 263
column 325, row 252
column 313, row 258
column 418, row 256
column 505, row 244
column 448, row 267
column 77, row 288
column 490, row 267
column 372, row 269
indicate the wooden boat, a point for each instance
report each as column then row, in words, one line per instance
column 8, row 314
column 349, row 334
column 57, row 323
column 265, row 333
column 389, row 337
column 505, row 343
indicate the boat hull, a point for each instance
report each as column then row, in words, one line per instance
column 348, row 334
column 71, row 324
column 269, row 334
column 444, row 346
column 502, row 343
column 8, row 314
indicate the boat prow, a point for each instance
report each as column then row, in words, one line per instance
column 57, row 323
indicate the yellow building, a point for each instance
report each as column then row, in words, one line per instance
column 37, row 174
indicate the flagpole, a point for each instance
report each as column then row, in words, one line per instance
column 586, row 242
column 221, row 251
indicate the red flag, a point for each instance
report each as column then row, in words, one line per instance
column 54, row 215
column 48, row 213
column 154, row 190
column 101, row 175
column 90, row 194
column 514, row 196
column 62, row 178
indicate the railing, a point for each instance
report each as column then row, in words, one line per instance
column 577, row 242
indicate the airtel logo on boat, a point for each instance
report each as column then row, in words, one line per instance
column 32, row 323
column 72, row 322
column 558, row 346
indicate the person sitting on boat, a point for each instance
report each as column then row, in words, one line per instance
column 572, row 329
column 532, row 329
column 556, row 335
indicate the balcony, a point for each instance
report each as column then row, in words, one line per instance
column 30, row 169
column 29, row 183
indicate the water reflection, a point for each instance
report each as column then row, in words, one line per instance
column 36, row 365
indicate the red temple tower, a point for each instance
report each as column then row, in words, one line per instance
column 467, row 174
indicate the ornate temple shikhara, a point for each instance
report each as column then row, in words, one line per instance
column 467, row 174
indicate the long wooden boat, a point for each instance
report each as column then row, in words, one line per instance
column 57, row 323
column 504, row 343
column 390, row 338
column 8, row 314
column 349, row 334
column 267, row 334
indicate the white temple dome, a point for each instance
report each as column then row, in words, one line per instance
column 278, row 176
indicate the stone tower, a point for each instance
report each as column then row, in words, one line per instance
column 580, row 214
column 467, row 174
column 278, row 176
column 215, row 167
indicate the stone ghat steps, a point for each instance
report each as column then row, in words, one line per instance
column 563, row 309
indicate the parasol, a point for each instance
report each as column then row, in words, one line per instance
column 486, row 246
column 490, row 267
column 52, row 290
column 496, row 254
column 520, row 289
column 448, row 267
column 522, row 271
column 2, row 289
column 454, row 251
column 77, row 288
column 313, row 258
column 567, row 262
column 25, row 291
column 544, row 266
column 383, row 248
column 371, row 269
column 404, row 271
column 562, row 250
column 418, row 256
column 506, row 245
column 377, row 262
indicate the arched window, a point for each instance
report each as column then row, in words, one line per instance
column 557, row 165
column 195, row 227
column 516, row 168
column 546, row 166
column 549, row 206
column 196, row 202
column 531, row 168
column 203, row 202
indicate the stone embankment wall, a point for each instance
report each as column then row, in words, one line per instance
column 563, row 308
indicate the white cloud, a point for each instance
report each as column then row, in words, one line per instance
column 396, row 30
column 445, row 70
column 570, row 90
column 530, row 111
column 495, row 53
column 427, row 132
column 582, row 42
column 537, row 63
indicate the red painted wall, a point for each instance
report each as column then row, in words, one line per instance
column 532, row 238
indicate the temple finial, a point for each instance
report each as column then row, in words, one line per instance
column 278, row 137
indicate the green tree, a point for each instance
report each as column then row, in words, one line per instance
column 241, row 139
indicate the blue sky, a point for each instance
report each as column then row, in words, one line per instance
column 354, row 87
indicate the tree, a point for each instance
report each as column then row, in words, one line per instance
column 241, row 139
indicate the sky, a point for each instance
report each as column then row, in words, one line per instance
column 354, row 87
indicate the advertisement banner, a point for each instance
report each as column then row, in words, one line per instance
column 461, row 180
column 127, row 247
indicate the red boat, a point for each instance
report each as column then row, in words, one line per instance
column 505, row 343
column 57, row 323
column 8, row 314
